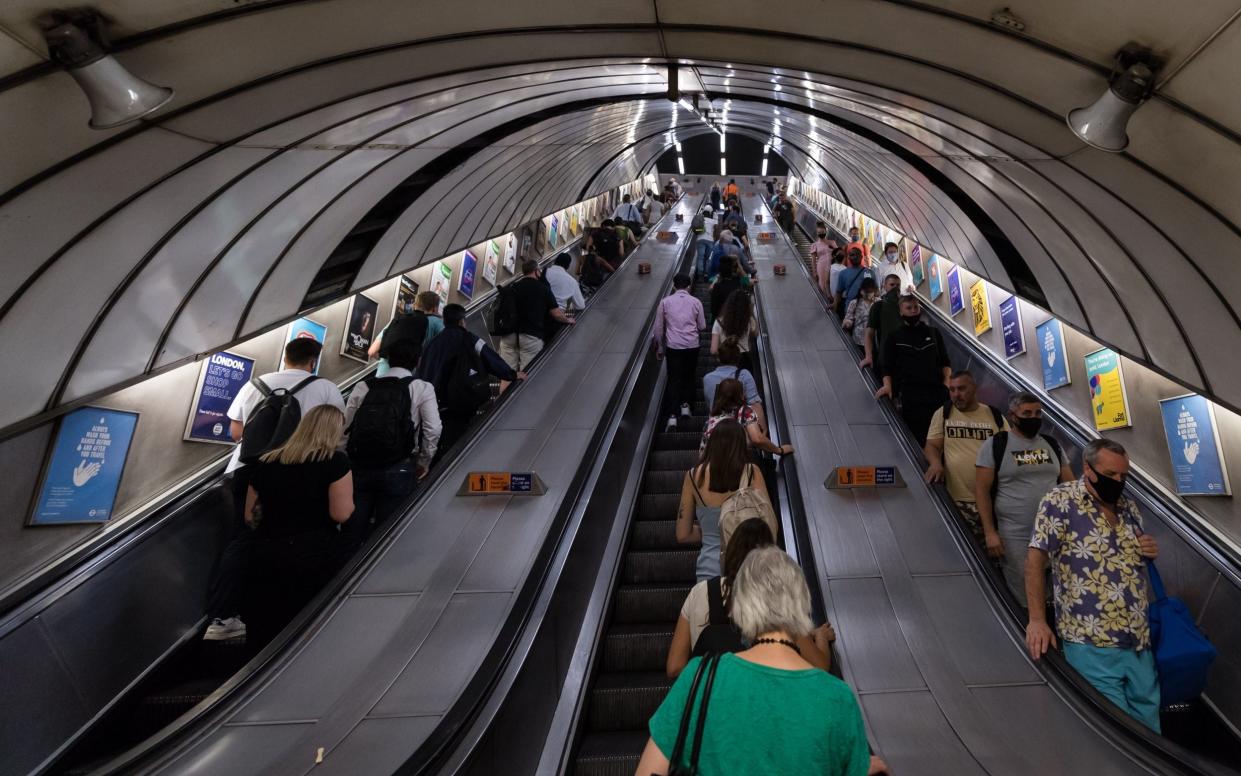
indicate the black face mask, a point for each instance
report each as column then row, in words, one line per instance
column 1109, row 489
column 911, row 320
column 1028, row 427
column 822, row 234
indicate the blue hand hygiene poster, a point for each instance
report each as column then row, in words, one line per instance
column 1193, row 442
column 223, row 375
column 84, row 471
column 932, row 272
column 956, row 302
column 469, row 266
column 1052, row 354
column 1010, row 327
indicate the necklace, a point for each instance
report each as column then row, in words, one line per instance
column 785, row 642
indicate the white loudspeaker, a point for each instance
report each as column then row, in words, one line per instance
column 1102, row 124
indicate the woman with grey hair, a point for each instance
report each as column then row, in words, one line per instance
column 768, row 710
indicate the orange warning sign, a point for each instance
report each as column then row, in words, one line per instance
column 864, row 477
column 666, row 236
column 766, row 236
column 483, row 483
column 857, row 476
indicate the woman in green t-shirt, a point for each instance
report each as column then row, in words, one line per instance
column 770, row 711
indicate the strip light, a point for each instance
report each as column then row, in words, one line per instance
column 723, row 167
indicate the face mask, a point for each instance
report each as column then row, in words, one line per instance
column 1028, row 426
column 1109, row 489
column 822, row 235
column 891, row 256
column 911, row 320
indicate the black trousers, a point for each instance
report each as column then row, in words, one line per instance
column 228, row 587
column 454, row 426
column 682, row 371
column 917, row 407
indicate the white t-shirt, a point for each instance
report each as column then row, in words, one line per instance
column 743, row 343
column 424, row 410
column 565, row 287
column 321, row 391
column 883, row 268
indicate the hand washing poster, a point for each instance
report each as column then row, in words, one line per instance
column 491, row 261
column 956, row 300
column 222, row 376
column 304, row 327
column 1193, row 443
column 469, row 266
column 84, row 470
column 915, row 264
column 1010, row 327
column 980, row 307
column 1108, row 402
column 932, row 273
column 1052, row 354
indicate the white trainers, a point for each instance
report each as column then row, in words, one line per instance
column 672, row 423
column 223, row 630
column 685, row 412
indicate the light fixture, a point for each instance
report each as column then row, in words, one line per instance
column 723, row 167
column 76, row 43
column 1102, row 124
column 678, row 148
column 763, row 174
column 722, row 142
column 680, row 165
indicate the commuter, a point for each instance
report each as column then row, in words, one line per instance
column 858, row 311
column 956, row 434
column 252, row 402
column 1092, row 534
column 891, row 263
column 884, row 318
column 703, row 246
column 716, row 197
column 626, row 239
column 784, row 212
column 595, row 271
column 849, row 281
column 730, row 279
column 915, row 369
column 603, row 241
column 728, row 245
column 457, row 363
column 418, row 324
column 1014, row 470
column 678, row 319
column 771, row 188
column 768, row 712
column 530, row 301
column 564, row 286
column 731, row 190
column 732, row 366
column 730, row 404
column 704, row 626
column 393, row 426
column 735, row 221
column 821, row 254
column 736, row 321
column 855, row 241
column 629, row 214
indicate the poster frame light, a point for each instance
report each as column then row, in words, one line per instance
column 196, row 406
column 1014, row 343
column 956, row 301
column 296, row 327
column 982, row 323
column 1213, row 425
column 348, row 329
column 1092, row 374
column 52, row 461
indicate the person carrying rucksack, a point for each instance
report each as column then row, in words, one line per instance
column 262, row 417
column 393, row 427
column 519, row 313
column 418, row 325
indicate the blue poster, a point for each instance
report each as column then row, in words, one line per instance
column 84, row 472
column 1010, row 327
column 223, row 375
column 932, row 273
column 956, row 303
column 469, row 266
column 554, row 232
column 304, row 327
column 1052, row 354
column 1193, row 443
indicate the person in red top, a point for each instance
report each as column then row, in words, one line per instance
column 678, row 320
column 855, row 241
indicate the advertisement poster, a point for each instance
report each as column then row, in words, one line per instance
column 553, row 233
column 1193, row 443
column 1108, row 401
column 469, row 265
column 222, row 376
column 915, row 265
column 1052, row 354
column 982, row 310
column 304, row 327
column 540, row 240
column 406, row 293
column 85, row 467
column 510, row 254
column 573, row 221
column 491, row 261
column 932, row 273
column 360, row 331
column 1011, row 328
column 441, row 280
column 956, row 301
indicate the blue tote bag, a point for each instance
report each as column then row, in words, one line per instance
column 1182, row 654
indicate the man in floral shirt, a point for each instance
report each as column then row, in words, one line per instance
column 1093, row 536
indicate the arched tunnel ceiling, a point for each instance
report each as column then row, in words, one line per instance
column 208, row 222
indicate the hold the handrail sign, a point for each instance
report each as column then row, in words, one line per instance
column 848, row 477
column 766, row 236
column 663, row 236
column 502, row 484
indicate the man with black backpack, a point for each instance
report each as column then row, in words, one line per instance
column 459, row 364
column 262, row 417
column 393, row 427
column 915, row 369
column 519, row 313
column 418, row 325
column 1014, row 470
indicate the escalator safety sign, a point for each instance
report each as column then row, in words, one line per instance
column 501, row 483
column 847, row 477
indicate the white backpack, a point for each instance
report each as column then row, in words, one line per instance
column 745, row 504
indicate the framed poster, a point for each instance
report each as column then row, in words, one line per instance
column 956, row 301
column 932, row 273
column 510, row 254
column 1052, row 354
column 1193, row 443
column 221, row 377
column 527, row 243
column 575, row 221
column 553, row 232
column 1108, row 401
column 491, row 261
column 540, row 239
column 84, row 467
column 441, row 280
column 406, row 294
column 360, row 328
column 469, row 266
column 915, row 264
column 980, row 307
column 1011, row 328
column 304, row 327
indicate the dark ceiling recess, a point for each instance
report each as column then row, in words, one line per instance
column 702, row 156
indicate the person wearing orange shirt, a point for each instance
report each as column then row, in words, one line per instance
column 855, row 241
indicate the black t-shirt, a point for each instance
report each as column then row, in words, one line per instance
column 720, row 292
column 738, row 226
column 293, row 498
column 606, row 244
column 534, row 300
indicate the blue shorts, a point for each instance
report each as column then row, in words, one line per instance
column 1125, row 677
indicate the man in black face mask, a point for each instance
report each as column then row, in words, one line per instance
column 1093, row 537
column 1013, row 472
column 915, row 368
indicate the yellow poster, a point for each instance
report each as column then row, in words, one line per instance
column 1108, row 401
column 982, row 310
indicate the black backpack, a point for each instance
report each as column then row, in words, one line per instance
column 273, row 420
column 465, row 385
column 504, row 313
column 999, row 444
column 382, row 432
column 720, row 635
column 411, row 327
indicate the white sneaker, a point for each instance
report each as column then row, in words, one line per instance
column 685, row 412
column 223, row 630
column 672, row 423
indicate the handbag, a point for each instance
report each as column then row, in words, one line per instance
column 707, row 666
column 1183, row 655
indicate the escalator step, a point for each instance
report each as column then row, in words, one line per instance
column 649, row 603
column 680, row 440
column 663, row 482
column 658, row 507
column 610, row 753
column 675, row 460
column 655, row 535
column 626, row 701
column 659, row 566
column 636, row 647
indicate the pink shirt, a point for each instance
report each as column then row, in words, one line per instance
column 678, row 320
